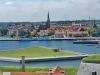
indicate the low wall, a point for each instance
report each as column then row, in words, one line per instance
column 9, row 59
column 27, row 60
column 54, row 59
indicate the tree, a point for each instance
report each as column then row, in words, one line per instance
column 91, row 31
column 3, row 32
column 51, row 33
column 27, row 34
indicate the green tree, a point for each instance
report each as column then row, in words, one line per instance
column 91, row 31
column 27, row 34
column 50, row 33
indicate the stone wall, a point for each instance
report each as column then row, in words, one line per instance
column 88, row 68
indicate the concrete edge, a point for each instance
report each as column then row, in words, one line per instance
column 27, row 60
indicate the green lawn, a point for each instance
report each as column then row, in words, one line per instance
column 35, row 52
column 70, row 71
column 92, row 59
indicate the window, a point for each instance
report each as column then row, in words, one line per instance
column 94, row 73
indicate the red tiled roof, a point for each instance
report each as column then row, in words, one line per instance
column 56, row 69
column 28, row 73
column 81, row 32
column 33, row 73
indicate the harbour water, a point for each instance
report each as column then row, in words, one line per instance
column 64, row 63
column 63, row 45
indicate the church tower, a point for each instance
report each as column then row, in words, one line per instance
column 94, row 24
column 48, row 21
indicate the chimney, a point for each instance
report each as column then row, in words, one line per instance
column 50, row 71
column 23, row 63
column 63, row 72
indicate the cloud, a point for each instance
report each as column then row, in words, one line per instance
column 36, row 10
column 8, row 3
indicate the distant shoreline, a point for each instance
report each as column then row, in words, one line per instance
column 45, row 39
column 34, row 39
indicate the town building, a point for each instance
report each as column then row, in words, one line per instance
column 59, row 34
column 43, row 33
column 77, row 34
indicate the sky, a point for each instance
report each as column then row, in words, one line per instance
column 36, row 10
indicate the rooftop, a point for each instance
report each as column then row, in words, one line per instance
column 54, row 71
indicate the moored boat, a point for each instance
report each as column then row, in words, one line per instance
column 87, row 42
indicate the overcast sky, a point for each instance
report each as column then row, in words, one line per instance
column 36, row 10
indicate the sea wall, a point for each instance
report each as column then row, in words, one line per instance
column 27, row 60
column 54, row 58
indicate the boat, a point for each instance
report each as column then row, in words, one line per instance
column 87, row 42
column 87, row 38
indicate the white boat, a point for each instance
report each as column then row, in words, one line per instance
column 87, row 42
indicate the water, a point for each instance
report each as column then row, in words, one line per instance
column 64, row 45
column 64, row 63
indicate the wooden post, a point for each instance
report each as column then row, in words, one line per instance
column 23, row 63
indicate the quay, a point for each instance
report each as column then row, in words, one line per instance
column 35, row 39
column 47, row 39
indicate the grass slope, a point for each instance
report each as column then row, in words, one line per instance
column 92, row 59
column 35, row 52
column 69, row 71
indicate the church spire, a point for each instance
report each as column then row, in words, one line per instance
column 94, row 24
column 48, row 21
